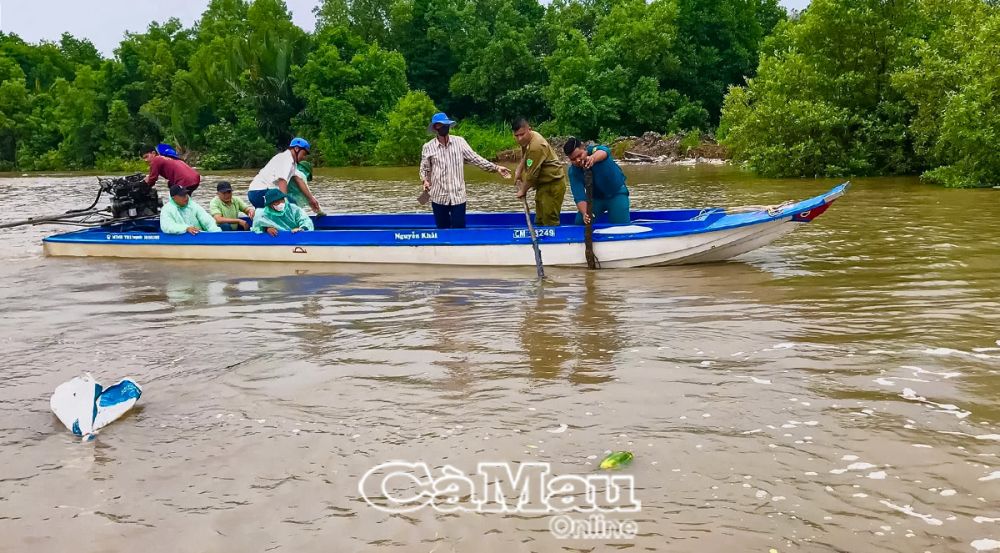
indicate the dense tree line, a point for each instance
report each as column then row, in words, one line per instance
column 875, row 87
column 846, row 87
column 244, row 78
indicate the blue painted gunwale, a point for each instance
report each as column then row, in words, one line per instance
column 417, row 229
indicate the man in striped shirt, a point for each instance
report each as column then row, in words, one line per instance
column 442, row 164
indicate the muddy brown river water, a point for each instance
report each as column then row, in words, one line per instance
column 836, row 391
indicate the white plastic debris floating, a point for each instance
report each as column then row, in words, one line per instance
column 85, row 407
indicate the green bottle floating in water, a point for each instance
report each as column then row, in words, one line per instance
column 616, row 460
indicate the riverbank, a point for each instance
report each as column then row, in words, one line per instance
column 650, row 148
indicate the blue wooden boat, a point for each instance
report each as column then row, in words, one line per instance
column 653, row 238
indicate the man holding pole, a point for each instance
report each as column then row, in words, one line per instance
column 609, row 190
column 539, row 169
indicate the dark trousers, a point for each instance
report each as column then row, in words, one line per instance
column 449, row 216
column 190, row 189
column 256, row 198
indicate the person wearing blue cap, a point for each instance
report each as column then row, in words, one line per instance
column 280, row 215
column 280, row 171
column 442, row 162
column 164, row 161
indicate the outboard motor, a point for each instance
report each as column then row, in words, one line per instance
column 131, row 197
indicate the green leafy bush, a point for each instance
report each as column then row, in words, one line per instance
column 870, row 87
column 405, row 132
column 234, row 146
column 487, row 139
column 690, row 141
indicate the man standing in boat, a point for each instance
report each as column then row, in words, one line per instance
column 539, row 169
column 164, row 162
column 278, row 172
column 609, row 190
column 442, row 171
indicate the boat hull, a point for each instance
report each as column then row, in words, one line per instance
column 653, row 239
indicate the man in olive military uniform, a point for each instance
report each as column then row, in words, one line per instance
column 540, row 169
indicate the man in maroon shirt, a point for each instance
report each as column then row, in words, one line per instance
column 163, row 162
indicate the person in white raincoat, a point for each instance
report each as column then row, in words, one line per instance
column 280, row 215
column 182, row 214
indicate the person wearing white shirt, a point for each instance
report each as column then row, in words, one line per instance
column 279, row 172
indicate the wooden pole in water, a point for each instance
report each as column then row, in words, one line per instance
column 534, row 238
column 588, row 231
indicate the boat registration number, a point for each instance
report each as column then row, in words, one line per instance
column 540, row 232
column 132, row 237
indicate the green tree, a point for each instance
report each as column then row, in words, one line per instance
column 822, row 101
column 223, row 18
column 14, row 104
column 424, row 29
column 406, row 130
column 347, row 87
column 80, row 115
column 497, row 67
column 243, row 61
column 142, row 75
column 235, row 145
column 617, row 77
column 119, row 137
column 79, row 52
column 717, row 45
column 42, row 63
column 955, row 87
column 371, row 20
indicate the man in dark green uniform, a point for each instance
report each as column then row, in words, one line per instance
column 539, row 169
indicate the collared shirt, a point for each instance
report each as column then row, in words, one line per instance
column 541, row 164
column 609, row 180
column 281, row 167
column 232, row 210
column 443, row 165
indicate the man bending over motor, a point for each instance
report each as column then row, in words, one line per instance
column 163, row 161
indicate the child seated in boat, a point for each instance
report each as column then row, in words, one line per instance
column 278, row 215
column 182, row 214
column 227, row 209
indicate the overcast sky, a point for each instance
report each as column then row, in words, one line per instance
column 104, row 22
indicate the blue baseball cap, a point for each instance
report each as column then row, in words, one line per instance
column 166, row 150
column 440, row 117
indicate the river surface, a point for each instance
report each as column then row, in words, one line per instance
column 835, row 391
